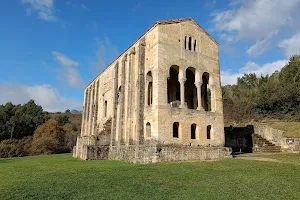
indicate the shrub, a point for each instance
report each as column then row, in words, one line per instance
column 49, row 138
column 15, row 148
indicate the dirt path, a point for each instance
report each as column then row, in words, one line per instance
column 259, row 157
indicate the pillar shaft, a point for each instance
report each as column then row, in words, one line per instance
column 121, row 136
column 198, row 86
column 212, row 97
column 115, row 103
column 140, row 93
column 129, row 132
column 182, row 93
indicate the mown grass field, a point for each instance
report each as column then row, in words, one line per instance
column 63, row 177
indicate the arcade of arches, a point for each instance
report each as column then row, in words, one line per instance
column 189, row 91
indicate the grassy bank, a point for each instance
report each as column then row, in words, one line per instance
column 292, row 128
column 63, row 177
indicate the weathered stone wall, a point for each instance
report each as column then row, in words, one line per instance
column 186, row 153
column 123, row 85
column 203, row 59
column 276, row 137
column 167, row 153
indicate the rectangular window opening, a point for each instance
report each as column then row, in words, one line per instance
column 105, row 108
column 190, row 43
column 175, row 129
column 208, row 132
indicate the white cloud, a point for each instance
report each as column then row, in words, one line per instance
column 266, row 69
column 69, row 73
column 255, row 19
column 226, row 37
column 44, row 95
column 210, row 3
column 84, row 7
column 105, row 49
column 261, row 45
column 44, row 8
column 64, row 60
column 291, row 46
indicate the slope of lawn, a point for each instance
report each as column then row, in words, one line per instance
column 292, row 129
column 63, row 177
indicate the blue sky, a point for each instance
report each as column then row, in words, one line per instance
column 51, row 49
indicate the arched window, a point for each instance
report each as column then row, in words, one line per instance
column 173, row 86
column 208, row 132
column 205, row 92
column 149, row 95
column 148, row 130
column 190, row 89
column 193, row 131
column 175, row 129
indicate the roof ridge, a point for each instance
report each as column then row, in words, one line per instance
column 176, row 20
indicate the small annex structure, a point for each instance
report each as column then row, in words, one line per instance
column 160, row 100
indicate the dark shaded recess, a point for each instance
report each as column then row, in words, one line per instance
column 239, row 138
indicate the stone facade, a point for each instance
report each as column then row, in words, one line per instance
column 160, row 100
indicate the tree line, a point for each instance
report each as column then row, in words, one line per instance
column 264, row 97
column 28, row 130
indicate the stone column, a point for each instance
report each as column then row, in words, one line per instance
column 212, row 97
column 129, row 134
column 92, row 121
column 82, row 121
column 140, row 93
column 84, row 114
column 146, row 93
column 121, row 138
column 89, row 111
column 198, row 86
column 115, row 104
column 182, row 96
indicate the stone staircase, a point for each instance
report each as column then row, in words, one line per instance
column 263, row 145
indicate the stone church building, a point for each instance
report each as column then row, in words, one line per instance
column 160, row 100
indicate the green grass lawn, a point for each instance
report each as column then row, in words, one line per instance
column 63, row 177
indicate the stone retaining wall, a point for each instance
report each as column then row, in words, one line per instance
column 291, row 145
column 153, row 153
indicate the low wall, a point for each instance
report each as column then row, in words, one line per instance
column 167, row 153
column 291, row 145
column 151, row 152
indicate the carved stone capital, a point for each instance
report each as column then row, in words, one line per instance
column 124, row 59
column 143, row 42
column 182, row 80
column 117, row 65
column 132, row 51
column 198, row 84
